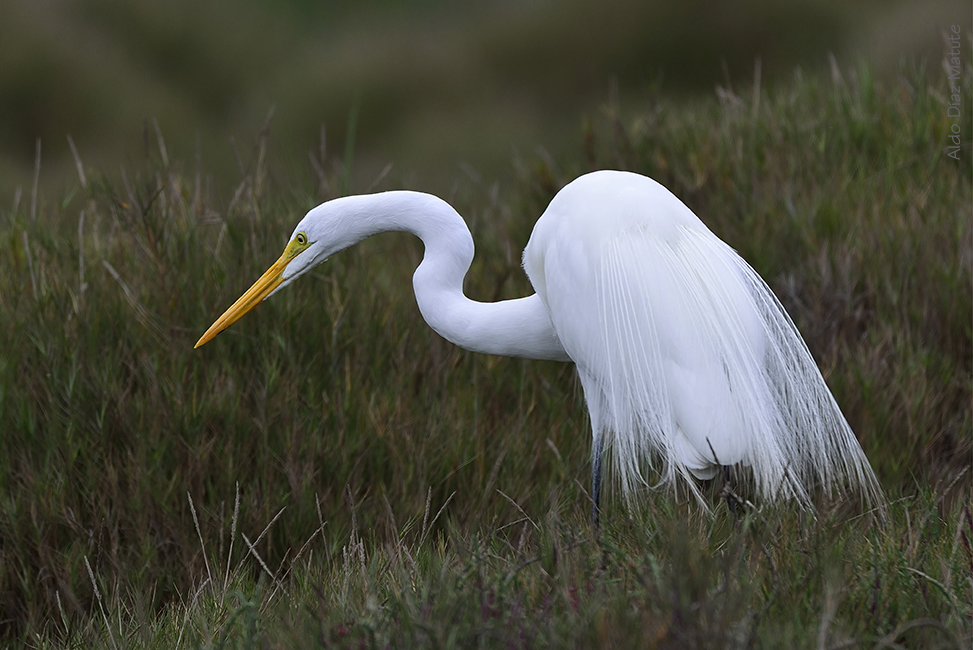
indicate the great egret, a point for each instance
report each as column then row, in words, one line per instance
column 687, row 360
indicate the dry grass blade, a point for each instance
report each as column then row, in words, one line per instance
column 266, row 529
column 889, row 640
column 101, row 603
column 18, row 193
column 229, row 552
column 37, row 177
column 378, row 179
column 143, row 315
column 436, row 518
column 425, row 514
column 81, row 283
column 519, row 509
column 199, row 533
column 189, row 609
column 30, row 264
column 77, row 163
column 60, row 610
column 161, row 142
column 260, row 561
column 940, row 586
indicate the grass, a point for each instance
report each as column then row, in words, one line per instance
column 330, row 473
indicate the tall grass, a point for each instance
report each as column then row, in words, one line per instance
column 330, row 472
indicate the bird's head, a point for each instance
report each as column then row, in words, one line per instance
column 312, row 242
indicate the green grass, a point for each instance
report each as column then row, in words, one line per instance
column 432, row 497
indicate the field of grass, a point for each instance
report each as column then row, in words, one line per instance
column 330, row 473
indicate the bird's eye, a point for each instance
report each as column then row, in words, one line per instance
column 301, row 239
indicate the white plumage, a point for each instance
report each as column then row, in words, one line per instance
column 687, row 359
column 685, row 354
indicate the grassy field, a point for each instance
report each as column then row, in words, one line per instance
column 330, row 473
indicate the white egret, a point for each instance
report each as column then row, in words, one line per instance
column 687, row 360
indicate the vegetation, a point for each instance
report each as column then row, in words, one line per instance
column 330, row 473
column 430, row 81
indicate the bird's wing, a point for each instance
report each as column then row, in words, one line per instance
column 696, row 361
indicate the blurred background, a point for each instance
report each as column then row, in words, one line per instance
column 435, row 88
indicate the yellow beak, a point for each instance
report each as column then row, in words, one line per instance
column 260, row 290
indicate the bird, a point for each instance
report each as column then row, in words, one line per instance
column 688, row 362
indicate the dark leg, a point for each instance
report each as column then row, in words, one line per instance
column 733, row 502
column 596, row 449
column 594, row 398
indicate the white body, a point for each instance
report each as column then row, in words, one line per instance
column 687, row 359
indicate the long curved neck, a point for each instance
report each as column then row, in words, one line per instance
column 514, row 328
